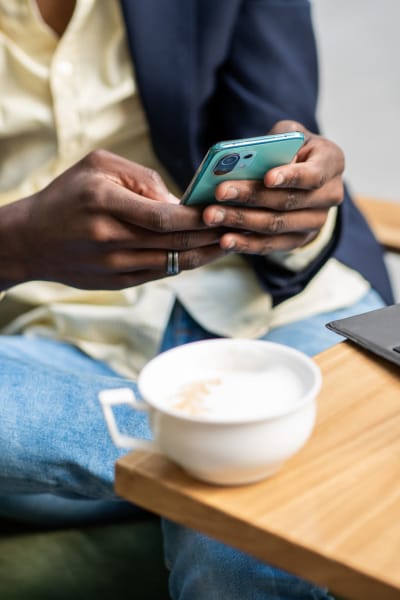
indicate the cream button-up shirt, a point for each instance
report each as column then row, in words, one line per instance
column 62, row 98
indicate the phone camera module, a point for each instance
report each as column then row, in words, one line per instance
column 226, row 164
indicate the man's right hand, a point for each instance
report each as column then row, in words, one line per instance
column 106, row 223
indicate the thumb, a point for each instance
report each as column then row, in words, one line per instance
column 132, row 176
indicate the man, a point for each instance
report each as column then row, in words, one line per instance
column 87, row 236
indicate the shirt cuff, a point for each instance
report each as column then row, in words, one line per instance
column 298, row 259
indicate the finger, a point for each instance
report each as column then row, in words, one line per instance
column 121, row 171
column 109, row 234
column 147, row 213
column 264, row 245
column 192, row 259
column 269, row 222
column 241, row 192
column 185, row 240
column 310, row 175
column 255, row 194
column 317, row 163
column 110, row 279
column 125, row 261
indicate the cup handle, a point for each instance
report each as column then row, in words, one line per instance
column 110, row 398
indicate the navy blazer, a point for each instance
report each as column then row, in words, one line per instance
column 209, row 70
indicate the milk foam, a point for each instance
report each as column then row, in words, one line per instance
column 236, row 395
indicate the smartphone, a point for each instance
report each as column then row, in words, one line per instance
column 248, row 158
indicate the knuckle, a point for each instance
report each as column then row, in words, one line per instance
column 292, row 200
column 293, row 179
column 95, row 158
column 251, row 198
column 317, row 178
column 158, row 218
column 183, row 240
column 149, row 181
column 237, row 218
column 92, row 196
column 97, row 230
column 252, row 194
column 266, row 248
column 277, row 223
column 111, row 262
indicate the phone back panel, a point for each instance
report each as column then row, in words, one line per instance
column 254, row 156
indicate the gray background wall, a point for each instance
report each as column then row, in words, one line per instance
column 359, row 45
column 359, row 108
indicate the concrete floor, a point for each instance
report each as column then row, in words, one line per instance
column 359, row 46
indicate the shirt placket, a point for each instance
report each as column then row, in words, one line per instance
column 65, row 87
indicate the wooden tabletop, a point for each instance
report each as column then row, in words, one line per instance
column 332, row 514
column 384, row 219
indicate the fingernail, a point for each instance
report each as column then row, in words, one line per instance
column 231, row 193
column 230, row 245
column 218, row 216
column 279, row 179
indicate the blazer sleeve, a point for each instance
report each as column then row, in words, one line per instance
column 270, row 73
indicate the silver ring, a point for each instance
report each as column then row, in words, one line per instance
column 172, row 262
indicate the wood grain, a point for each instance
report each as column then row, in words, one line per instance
column 384, row 219
column 332, row 514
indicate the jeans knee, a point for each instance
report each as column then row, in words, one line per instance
column 205, row 569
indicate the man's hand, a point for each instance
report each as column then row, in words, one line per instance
column 106, row 223
column 288, row 208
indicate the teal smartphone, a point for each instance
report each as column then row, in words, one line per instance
column 248, row 158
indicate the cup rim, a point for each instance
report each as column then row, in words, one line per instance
column 299, row 356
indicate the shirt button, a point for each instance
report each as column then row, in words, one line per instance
column 65, row 68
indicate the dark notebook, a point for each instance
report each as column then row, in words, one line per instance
column 377, row 331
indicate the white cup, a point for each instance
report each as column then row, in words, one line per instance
column 227, row 411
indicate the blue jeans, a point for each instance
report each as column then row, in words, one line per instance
column 57, row 459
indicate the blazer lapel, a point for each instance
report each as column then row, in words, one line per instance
column 162, row 38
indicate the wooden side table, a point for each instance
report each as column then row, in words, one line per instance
column 332, row 514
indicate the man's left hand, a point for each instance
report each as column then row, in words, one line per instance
column 289, row 207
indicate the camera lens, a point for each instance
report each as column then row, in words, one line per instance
column 226, row 164
column 227, row 161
